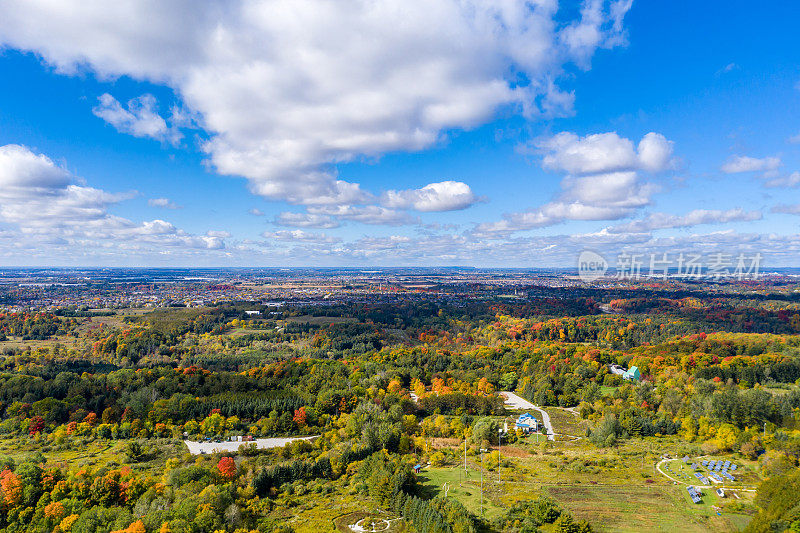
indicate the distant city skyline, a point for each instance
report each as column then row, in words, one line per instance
column 392, row 133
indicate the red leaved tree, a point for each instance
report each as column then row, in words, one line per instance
column 227, row 467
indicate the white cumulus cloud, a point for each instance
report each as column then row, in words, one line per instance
column 286, row 90
column 788, row 181
column 789, row 209
column 442, row 196
column 605, row 152
column 603, row 180
column 140, row 118
column 743, row 163
column 43, row 203
column 299, row 235
column 367, row 214
column 164, row 203
column 306, row 220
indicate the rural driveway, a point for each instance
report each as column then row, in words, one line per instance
column 516, row 402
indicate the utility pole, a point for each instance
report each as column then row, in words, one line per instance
column 499, row 443
column 482, row 450
column 465, row 454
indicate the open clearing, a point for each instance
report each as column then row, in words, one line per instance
column 465, row 488
column 655, row 508
column 566, row 422
column 617, row 489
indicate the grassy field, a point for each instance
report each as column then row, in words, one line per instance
column 616, row 489
column 779, row 389
column 566, row 422
column 634, row 508
column 330, row 513
column 466, row 488
column 93, row 454
column 18, row 343
column 85, row 323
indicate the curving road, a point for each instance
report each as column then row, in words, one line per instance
column 516, row 402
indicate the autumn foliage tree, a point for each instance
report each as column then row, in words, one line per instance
column 227, row 468
column 300, row 417
column 11, row 487
column 36, row 425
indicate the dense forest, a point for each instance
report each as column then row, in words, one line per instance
column 390, row 395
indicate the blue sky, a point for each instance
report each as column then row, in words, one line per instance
column 310, row 133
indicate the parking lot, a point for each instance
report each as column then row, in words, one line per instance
column 197, row 448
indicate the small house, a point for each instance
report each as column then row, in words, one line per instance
column 632, row 374
column 527, row 423
column 417, row 469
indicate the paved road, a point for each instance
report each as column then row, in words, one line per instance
column 516, row 402
column 196, row 448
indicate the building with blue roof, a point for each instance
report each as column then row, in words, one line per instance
column 527, row 423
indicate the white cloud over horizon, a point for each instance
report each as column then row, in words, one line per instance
column 742, row 163
column 696, row 217
column 299, row 235
column 787, row 209
column 767, row 168
column 43, row 202
column 602, row 181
